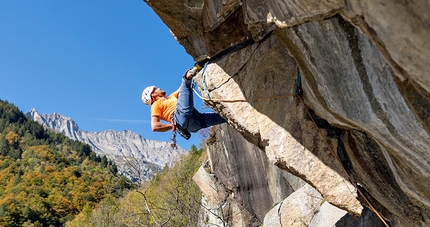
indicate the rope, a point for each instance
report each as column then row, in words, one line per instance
column 296, row 94
column 299, row 83
column 250, row 99
column 204, row 81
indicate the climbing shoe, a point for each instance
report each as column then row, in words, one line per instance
column 184, row 133
column 196, row 69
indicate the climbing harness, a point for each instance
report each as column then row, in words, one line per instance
column 296, row 94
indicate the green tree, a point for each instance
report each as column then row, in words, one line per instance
column 47, row 178
column 171, row 198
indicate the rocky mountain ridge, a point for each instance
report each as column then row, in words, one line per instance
column 136, row 157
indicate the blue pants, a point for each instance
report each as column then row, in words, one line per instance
column 187, row 117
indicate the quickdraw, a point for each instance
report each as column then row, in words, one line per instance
column 173, row 143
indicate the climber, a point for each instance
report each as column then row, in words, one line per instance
column 178, row 108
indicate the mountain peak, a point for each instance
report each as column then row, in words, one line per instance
column 150, row 155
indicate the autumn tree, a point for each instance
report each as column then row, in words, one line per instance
column 47, row 178
column 170, row 198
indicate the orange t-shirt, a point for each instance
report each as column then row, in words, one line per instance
column 164, row 108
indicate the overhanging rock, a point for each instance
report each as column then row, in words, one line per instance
column 365, row 81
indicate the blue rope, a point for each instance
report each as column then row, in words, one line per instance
column 204, row 81
column 194, row 84
column 298, row 83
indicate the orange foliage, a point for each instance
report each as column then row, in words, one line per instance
column 44, row 153
column 7, row 199
column 11, row 137
column 49, row 169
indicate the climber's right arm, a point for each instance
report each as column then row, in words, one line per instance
column 157, row 126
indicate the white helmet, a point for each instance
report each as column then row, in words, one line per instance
column 146, row 95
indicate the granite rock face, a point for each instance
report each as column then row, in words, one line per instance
column 241, row 187
column 358, row 131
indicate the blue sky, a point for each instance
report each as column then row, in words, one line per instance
column 89, row 60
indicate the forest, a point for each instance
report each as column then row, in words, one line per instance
column 46, row 179
column 170, row 198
